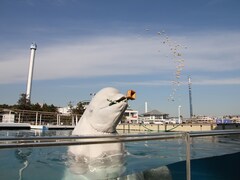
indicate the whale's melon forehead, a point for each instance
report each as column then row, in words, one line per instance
column 107, row 93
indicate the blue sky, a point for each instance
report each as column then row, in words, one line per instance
column 151, row 46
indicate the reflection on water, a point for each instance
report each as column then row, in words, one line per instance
column 22, row 155
column 103, row 161
column 51, row 163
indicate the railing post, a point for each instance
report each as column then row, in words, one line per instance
column 19, row 117
column 36, row 118
column 57, row 118
column 72, row 120
column 188, row 156
column 40, row 121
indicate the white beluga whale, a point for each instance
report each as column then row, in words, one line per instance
column 99, row 161
column 103, row 113
column 104, row 161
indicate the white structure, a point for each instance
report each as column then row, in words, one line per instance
column 234, row 118
column 8, row 118
column 204, row 119
column 131, row 116
column 146, row 108
column 33, row 48
column 154, row 116
column 65, row 110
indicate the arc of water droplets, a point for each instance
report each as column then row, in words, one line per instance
column 178, row 60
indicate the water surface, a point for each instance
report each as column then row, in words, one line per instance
column 212, row 157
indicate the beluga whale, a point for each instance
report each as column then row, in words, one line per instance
column 102, row 115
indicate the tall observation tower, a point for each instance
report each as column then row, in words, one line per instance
column 33, row 49
column 190, row 96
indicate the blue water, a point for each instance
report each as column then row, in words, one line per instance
column 225, row 167
column 213, row 158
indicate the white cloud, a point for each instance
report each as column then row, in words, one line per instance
column 145, row 83
column 195, row 81
column 222, row 81
column 99, row 57
column 215, row 51
column 122, row 55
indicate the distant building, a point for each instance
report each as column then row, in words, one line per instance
column 7, row 116
column 203, row 119
column 153, row 117
column 131, row 116
column 67, row 110
column 64, row 110
column 233, row 118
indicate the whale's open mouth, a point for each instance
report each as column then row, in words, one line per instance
column 112, row 102
column 130, row 95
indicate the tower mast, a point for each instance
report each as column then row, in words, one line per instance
column 33, row 49
column 190, row 96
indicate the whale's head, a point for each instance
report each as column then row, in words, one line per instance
column 104, row 111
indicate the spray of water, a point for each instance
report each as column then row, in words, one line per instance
column 175, row 55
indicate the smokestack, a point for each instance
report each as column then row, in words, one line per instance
column 33, row 49
column 146, row 108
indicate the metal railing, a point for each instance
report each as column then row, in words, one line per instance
column 47, row 141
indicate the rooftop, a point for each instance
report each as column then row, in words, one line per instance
column 154, row 112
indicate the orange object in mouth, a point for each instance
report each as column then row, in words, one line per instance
column 131, row 95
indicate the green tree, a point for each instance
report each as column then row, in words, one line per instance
column 4, row 106
column 79, row 109
column 36, row 107
column 52, row 108
column 23, row 102
column 49, row 108
column 70, row 105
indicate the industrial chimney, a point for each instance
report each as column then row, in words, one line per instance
column 33, row 49
column 146, row 107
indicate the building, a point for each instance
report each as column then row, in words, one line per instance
column 131, row 116
column 154, row 116
column 233, row 118
column 64, row 110
column 203, row 119
column 7, row 116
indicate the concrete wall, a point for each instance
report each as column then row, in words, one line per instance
column 175, row 127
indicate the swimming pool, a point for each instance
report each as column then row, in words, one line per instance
column 211, row 158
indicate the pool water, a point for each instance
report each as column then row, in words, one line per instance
column 212, row 158
column 225, row 167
